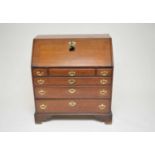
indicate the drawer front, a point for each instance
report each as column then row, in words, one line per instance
column 65, row 81
column 76, row 106
column 71, row 72
column 39, row 72
column 104, row 72
column 73, row 92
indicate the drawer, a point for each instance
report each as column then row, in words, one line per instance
column 75, row 106
column 39, row 72
column 73, row 92
column 71, row 72
column 66, row 81
column 104, row 72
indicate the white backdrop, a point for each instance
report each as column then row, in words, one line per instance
column 133, row 103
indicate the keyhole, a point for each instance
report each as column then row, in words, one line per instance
column 72, row 46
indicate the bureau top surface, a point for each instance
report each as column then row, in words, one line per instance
column 72, row 51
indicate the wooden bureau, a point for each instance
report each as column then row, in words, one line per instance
column 72, row 76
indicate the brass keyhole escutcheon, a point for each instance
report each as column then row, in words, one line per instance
column 71, row 81
column 72, row 103
column 72, row 46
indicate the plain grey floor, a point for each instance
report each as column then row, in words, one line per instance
column 133, row 103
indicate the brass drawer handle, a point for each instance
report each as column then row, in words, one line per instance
column 104, row 73
column 72, row 103
column 101, row 106
column 103, row 81
column 39, row 73
column 72, row 90
column 43, row 106
column 40, row 81
column 71, row 73
column 71, row 81
column 42, row 92
column 103, row 92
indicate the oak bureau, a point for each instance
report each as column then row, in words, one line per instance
column 72, row 76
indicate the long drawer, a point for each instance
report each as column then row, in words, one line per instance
column 71, row 72
column 65, row 81
column 73, row 92
column 76, row 106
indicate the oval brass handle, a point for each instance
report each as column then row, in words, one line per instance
column 104, row 73
column 72, row 90
column 43, row 106
column 103, row 81
column 71, row 81
column 101, row 106
column 71, row 73
column 72, row 103
column 103, row 92
column 40, row 73
column 42, row 92
column 40, row 81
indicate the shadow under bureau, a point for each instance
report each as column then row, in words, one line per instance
column 72, row 76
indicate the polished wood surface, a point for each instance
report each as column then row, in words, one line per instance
column 50, row 71
column 81, row 106
column 72, row 81
column 72, row 75
column 52, row 52
column 73, row 92
column 71, row 72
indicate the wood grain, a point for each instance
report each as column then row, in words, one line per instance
column 89, row 52
column 75, row 81
column 80, row 92
column 56, row 90
column 85, row 106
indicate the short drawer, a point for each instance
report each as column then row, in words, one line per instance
column 75, row 106
column 39, row 72
column 104, row 72
column 68, row 81
column 73, row 92
column 71, row 72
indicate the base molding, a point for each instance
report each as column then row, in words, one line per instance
column 43, row 117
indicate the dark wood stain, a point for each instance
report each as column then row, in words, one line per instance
column 72, row 83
